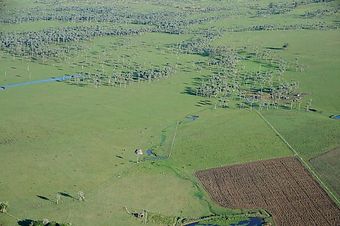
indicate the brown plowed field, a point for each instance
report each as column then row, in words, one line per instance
column 281, row 186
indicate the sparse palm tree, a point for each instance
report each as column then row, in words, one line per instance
column 3, row 207
column 81, row 196
column 58, row 198
column 138, row 153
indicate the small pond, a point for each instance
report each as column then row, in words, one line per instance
column 252, row 221
column 337, row 117
column 198, row 224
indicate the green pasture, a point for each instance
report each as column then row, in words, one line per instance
column 77, row 133
column 327, row 165
column 58, row 137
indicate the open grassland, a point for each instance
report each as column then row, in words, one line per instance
column 327, row 165
column 80, row 135
column 209, row 140
column 77, row 133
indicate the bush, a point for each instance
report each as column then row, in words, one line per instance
column 3, row 207
column 52, row 223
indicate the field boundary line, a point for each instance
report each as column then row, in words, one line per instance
column 300, row 158
column 179, row 122
column 173, row 140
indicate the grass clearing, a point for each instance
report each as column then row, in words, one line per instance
column 327, row 166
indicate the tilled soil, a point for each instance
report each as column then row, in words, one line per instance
column 281, row 186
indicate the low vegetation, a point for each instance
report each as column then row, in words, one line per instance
column 182, row 82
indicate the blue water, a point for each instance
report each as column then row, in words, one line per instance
column 192, row 117
column 198, row 224
column 336, row 116
column 149, row 152
column 53, row 79
column 252, row 221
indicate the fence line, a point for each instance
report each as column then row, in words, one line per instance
column 173, row 139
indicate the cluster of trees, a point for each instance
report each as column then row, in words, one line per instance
column 46, row 43
column 37, row 43
column 3, row 207
column 200, row 44
column 320, row 12
column 230, row 82
column 196, row 45
column 271, row 27
column 123, row 78
column 283, row 7
column 46, row 222
column 66, row 13
column 260, row 89
column 173, row 22
column 276, row 8
column 2, row 4
column 318, row 1
column 228, row 59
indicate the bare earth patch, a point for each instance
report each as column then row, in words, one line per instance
column 282, row 186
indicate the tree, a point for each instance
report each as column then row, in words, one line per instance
column 46, row 221
column 3, row 207
column 81, row 196
column 58, row 198
column 138, row 153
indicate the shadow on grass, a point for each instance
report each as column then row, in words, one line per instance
column 275, row 48
column 65, row 194
column 190, row 91
column 203, row 103
column 43, row 198
column 26, row 222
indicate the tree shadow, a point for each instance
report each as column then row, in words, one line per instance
column 26, row 222
column 198, row 80
column 275, row 48
column 264, row 64
column 65, row 194
column 43, row 198
column 203, row 103
column 190, row 91
column 81, row 85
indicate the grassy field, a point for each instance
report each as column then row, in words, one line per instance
column 64, row 137
column 326, row 165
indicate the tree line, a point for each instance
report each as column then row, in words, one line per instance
column 37, row 43
column 123, row 78
column 174, row 21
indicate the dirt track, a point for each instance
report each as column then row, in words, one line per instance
column 281, row 186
